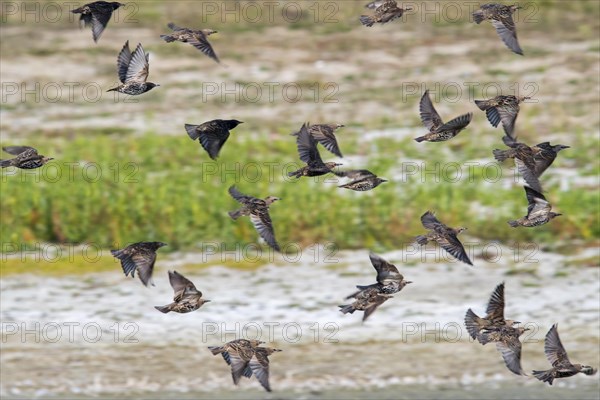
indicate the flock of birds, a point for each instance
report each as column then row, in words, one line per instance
column 246, row 357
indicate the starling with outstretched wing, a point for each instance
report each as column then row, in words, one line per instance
column 503, row 109
column 385, row 12
column 26, row 158
column 186, row 297
column 212, row 135
column 438, row 130
column 96, row 15
column 133, row 69
column 362, row 179
column 309, row 154
column 558, row 358
column 501, row 17
column 197, row 38
column 258, row 210
column 444, row 236
column 139, row 257
column 538, row 210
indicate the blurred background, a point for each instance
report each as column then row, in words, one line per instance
column 125, row 171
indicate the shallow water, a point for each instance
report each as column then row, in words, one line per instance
column 99, row 335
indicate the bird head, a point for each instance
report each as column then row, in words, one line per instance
column 460, row 230
column 381, row 180
column 116, row 4
column 151, row 85
column 560, row 147
column 586, row 369
column 523, row 98
column 554, row 215
column 515, row 7
column 46, row 159
column 339, row 126
column 208, row 32
column 271, row 199
column 158, row 245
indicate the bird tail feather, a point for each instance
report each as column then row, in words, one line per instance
column 235, row 214
column 192, row 132
column 544, row 376
column 472, row 324
column 482, row 104
column 422, row 240
column 514, row 224
column 164, row 309
column 420, row 139
column 348, row 308
column 167, row 38
column 296, row 174
column 366, row 20
column 5, row 163
column 215, row 349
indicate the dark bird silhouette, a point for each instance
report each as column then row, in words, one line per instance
column 96, row 15
column 212, row 134
column 545, row 156
column 438, row 130
column 503, row 109
column 508, row 344
column 494, row 317
column 141, row 257
column 385, row 12
column 368, row 298
column 246, row 358
column 557, row 356
column 307, row 150
column 525, row 160
column 502, row 20
column 362, row 179
column 186, row 298
column 26, row 158
column 324, row 134
column 538, row 211
column 444, row 236
column 133, row 71
column 258, row 210
column 197, row 38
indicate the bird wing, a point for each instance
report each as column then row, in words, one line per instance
column 239, row 366
column 324, row 135
column 429, row 116
column 182, row 286
column 429, row 221
column 212, row 138
column 240, row 197
column 263, row 225
column 537, row 202
column 174, row 27
column 144, row 261
column 508, row 116
column 452, row 245
column 527, row 171
column 99, row 22
column 123, row 61
column 259, row 364
column 386, row 272
column 200, row 42
column 555, row 352
column 457, row 123
column 379, row 300
column 307, row 147
column 495, row 307
column 511, row 353
column 16, row 150
column 543, row 161
column 139, row 66
column 505, row 27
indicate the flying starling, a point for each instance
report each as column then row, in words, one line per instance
column 26, row 158
column 545, row 156
column 212, row 134
column 494, row 316
column 362, row 179
column 502, row 109
column 97, row 14
column 368, row 298
column 307, row 149
column 140, row 256
column 389, row 280
column 501, row 18
column 198, row 39
column 538, row 210
column 438, row 130
column 384, row 13
column 246, row 358
column 557, row 355
column 324, row 134
column 508, row 344
column 186, row 298
column 133, row 71
column 258, row 210
column 445, row 237
column 525, row 160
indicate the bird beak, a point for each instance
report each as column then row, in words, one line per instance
column 558, row 215
column 516, row 322
column 207, row 301
column 407, row 282
column 566, row 147
column 384, row 180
